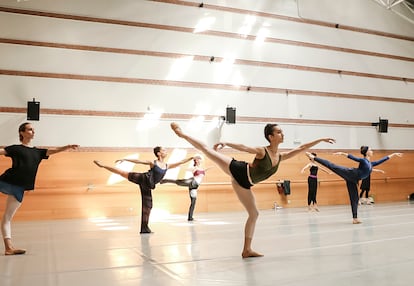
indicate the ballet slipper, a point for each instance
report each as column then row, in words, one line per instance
column 251, row 253
column 356, row 221
column 14, row 251
column 177, row 129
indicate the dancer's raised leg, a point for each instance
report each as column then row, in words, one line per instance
column 221, row 160
column 348, row 174
column 179, row 182
column 112, row 169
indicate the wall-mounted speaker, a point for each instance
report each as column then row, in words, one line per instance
column 383, row 126
column 231, row 115
column 33, row 110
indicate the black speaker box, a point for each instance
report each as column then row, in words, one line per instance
column 383, row 126
column 33, row 110
column 231, row 115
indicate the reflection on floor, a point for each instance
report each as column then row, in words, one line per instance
column 300, row 247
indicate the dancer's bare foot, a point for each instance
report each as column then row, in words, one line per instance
column 177, row 129
column 310, row 156
column 97, row 163
column 356, row 221
column 14, row 251
column 251, row 253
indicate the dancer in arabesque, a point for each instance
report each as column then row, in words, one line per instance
column 146, row 181
column 353, row 175
column 191, row 183
column 244, row 175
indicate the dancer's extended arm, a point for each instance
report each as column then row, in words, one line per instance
column 303, row 147
column 174, row 165
column 52, row 151
column 382, row 160
column 378, row 170
column 259, row 151
column 135, row 161
column 306, row 167
column 395, row 154
column 349, row 156
column 325, row 170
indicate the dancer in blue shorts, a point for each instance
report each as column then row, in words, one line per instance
column 244, row 175
column 21, row 177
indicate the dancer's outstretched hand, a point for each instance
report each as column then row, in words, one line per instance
column 218, row 146
column 396, row 154
column 329, row 140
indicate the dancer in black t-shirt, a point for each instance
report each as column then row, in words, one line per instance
column 21, row 177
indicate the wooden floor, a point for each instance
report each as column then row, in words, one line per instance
column 300, row 247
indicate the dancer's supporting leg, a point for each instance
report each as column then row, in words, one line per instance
column 192, row 192
column 193, row 200
column 146, row 207
column 245, row 196
column 146, row 193
column 12, row 205
column 354, row 198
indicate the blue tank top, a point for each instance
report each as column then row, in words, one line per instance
column 155, row 175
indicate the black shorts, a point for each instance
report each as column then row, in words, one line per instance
column 239, row 171
column 140, row 179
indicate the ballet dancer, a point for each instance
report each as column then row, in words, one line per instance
column 366, row 186
column 353, row 175
column 313, row 183
column 192, row 183
column 21, row 177
column 244, row 175
column 146, row 181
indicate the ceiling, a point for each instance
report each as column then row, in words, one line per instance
column 403, row 8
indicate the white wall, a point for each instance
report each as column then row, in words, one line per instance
column 358, row 99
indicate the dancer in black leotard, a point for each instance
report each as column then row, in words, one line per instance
column 21, row 177
column 244, row 175
column 313, row 183
column 365, row 188
column 192, row 183
column 353, row 175
column 147, row 180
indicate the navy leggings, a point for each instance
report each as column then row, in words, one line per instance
column 350, row 175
